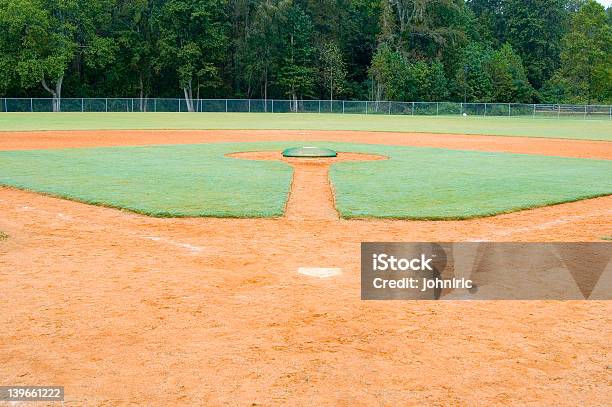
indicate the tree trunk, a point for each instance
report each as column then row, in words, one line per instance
column 141, row 93
column 266, row 90
column 331, row 94
column 57, row 93
column 198, row 103
column 188, row 96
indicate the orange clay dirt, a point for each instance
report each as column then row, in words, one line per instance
column 125, row 309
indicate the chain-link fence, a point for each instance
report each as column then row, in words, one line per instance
column 306, row 106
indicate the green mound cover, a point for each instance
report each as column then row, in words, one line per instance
column 200, row 180
column 311, row 152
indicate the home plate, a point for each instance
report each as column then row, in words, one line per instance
column 320, row 272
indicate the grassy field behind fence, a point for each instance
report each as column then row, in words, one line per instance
column 198, row 180
column 591, row 129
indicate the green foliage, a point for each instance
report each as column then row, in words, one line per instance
column 333, row 70
column 136, row 41
column 493, row 76
column 472, row 81
column 397, row 78
column 508, row 76
column 535, row 29
column 297, row 73
column 41, row 41
column 38, row 40
column 192, row 42
column 305, row 49
column 586, row 72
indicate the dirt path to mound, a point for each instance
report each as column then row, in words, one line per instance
column 68, row 139
column 122, row 308
column 311, row 196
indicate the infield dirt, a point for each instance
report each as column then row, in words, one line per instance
column 121, row 308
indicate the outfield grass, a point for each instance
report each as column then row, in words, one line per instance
column 504, row 126
column 197, row 180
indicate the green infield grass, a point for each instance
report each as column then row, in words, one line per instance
column 592, row 129
column 198, row 180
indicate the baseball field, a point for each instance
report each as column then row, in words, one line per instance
column 151, row 258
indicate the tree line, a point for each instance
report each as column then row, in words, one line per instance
column 525, row 51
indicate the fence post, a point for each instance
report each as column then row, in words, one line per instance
column 366, row 107
column 106, row 105
column 82, row 105
column 272, row 105
column 509, row 110
column 438, row 108
column 249, row 105
column 412, row 111
column 132, row 105
column 155, row 105
column 585, row 111
column 225, row 105
column 534, row 109
column 485, row 109
column 319, row 106
column 5, row 106
column 461, row 111
column 343, row 107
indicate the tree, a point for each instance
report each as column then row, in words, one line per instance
column 38, row 43
column 586, row 67
column 137, row 44
column 263, row 52
column 333, row 69
column 378, row 49
column 534, row 28
column 297, row 73
column 508, row 78
column 192, row 43
column 42, row 41
column 428, row 27
column 398, row 78
column 438, row 83
column 389, row 72
column 472, row 81
column 490, row 17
